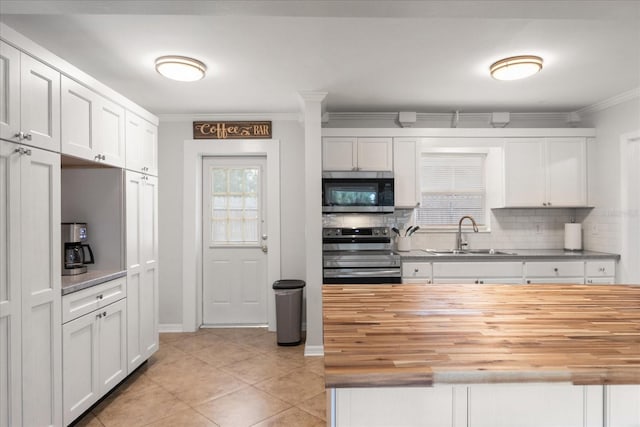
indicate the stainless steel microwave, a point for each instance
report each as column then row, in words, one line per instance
column 357, row 192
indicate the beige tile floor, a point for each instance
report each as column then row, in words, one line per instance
column 218, row 377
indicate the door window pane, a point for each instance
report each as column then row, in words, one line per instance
column 235, row 205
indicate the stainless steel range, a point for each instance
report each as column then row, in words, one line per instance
column 359, row 255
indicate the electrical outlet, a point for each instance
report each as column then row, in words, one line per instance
column 594, row 228
column 538, row 228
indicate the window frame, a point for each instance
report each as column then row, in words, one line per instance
column 493, row 176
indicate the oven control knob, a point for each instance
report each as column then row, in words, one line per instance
column 385, row 231
column 376, row 232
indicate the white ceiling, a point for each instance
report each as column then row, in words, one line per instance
column 424, row 56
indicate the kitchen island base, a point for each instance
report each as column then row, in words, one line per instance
column 487, row 405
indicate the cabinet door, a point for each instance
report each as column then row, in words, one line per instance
column 78, row 120
column 142, row 268
column 339, row 154
column 39, row 104
column 10, row 279
column 534, row 405
column 40, row 260
column 112, row 366
column 374, row 154
column 149, row 148
column 80, row 363
column 405, row 172
column 566, row 172
column 524, row 172
column 149, row 249
column 111, row 131
column 10, row 93
column 133, row 145
column 135, row 275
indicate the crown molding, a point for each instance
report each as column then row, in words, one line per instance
column 276, row 117
column 350, row 116
column 610, row 102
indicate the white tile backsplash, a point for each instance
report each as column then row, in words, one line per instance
column 510, row 228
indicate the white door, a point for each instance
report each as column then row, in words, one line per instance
column 234, row 241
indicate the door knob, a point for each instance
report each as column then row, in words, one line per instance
column 264, row 237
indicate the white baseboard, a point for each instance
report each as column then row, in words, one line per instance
column 170, row 327
column 313, row 350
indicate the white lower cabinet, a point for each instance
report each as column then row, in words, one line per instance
column 571, row 272
column 487, row 405
column 416, row 272
column 94, row 357
column 509, row 272
column 534, row 405
column 600, row 272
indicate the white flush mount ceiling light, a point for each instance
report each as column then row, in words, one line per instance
column 180, row 68
column 516, row 67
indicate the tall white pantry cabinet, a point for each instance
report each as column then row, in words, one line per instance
column 37, row 137
column 30, row 294
column 142, row 267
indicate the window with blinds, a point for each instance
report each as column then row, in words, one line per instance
column 452, row 185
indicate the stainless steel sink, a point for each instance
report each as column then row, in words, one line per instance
column 468, row 252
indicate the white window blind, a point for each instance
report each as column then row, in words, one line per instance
column 452, row 185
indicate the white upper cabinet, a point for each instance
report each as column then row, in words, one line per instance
column 405, row 172
column 545, row 172
column 363, row 154
column 141, row 145
column 30, row 100
column 92, row 126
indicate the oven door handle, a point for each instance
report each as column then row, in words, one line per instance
column 362, row 272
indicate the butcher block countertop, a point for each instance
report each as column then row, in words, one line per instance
column 425, row 335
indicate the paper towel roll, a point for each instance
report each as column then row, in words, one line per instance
column 573, row 237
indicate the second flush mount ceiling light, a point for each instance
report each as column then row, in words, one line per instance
column 516, row 67
column 180, row 68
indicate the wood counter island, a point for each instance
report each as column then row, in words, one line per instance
column 482, row 355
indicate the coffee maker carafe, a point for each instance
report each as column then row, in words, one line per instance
column 74, row 250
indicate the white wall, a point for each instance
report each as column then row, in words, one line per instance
column 602, row 226
column 171, row 136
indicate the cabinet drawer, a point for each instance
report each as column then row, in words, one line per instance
column 601, row 268
column 555, row 269
column 82, row 302
column 416, row 270
column 477, row 269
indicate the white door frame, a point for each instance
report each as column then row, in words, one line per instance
column 629, row 270
column 194, row 151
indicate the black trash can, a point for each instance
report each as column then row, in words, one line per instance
column 289, row 311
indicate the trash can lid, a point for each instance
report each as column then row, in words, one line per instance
column 288, row 284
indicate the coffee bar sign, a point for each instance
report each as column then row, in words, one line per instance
column 231, row 130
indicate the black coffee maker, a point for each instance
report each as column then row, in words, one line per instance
column 74, row 250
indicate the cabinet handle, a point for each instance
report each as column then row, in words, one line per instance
column 555, row 269
column 601, row 269
column 98, row 316
column 21, row 135
column 529, row 282
column 104, row 314
column 415, row 270
column 23, row 151
column 544, row 204
column 548, row 203
column 99, row 296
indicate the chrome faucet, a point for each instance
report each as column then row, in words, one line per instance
column 459, row 236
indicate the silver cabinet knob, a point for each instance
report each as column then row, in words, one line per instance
column 23, row 151
column 265, row 249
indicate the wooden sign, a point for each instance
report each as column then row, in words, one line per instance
column 231, row 130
